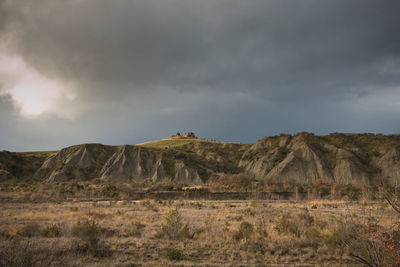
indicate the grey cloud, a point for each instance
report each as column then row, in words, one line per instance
column 143, row 44
column 173, row 64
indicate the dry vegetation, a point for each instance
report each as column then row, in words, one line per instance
column 185, row 233
column 170, row 142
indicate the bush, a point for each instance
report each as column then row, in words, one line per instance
column 348, row 191
column 29, row 230
column 249, row 212
column 354, row 237
column 52, row 231
column 174, row 227
column 321, row 188
column 240, row 181
column 286, row 225
column 332, row 240
column 295, row 224
column 313, row 234
column 305, row 218
column 261, row 229
column 73, row 185
column 109, row 190
column 89, row 232
column 137, row 228
column 371, row 244
column 4, row 234
column 244, row 232
column 159, row 235
column 174, row 254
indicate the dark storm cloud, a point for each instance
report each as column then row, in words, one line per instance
column 262, row 66
column 191, row 44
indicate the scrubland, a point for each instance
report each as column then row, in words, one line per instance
column 154, row 232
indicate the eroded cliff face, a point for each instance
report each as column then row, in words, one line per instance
column 80, row 162
column 129, row 163
column 389, row 164
column 349, row 168
column 305, row 158
column 301, row 165
column 115, row 164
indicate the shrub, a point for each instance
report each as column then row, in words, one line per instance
column 286, row 225
column 387, row 241
column 261, row 229
column 321, row 188
column 126, row 191
column 109, row 190
column 159, row 235
column 4, row 234
column 174, row 223
column 52, row 231
column 137, row 228
column 332, row 239
column 295, row 224
column 119, row 213
column 244, row 232
column 73, row 185
column 154, row 209
column 197, row 205
column 371, row 244
column 185, row 232
column 29, row 230
column 348, row 191
column 392, row 196
column 305, row 218
column 235, row 181
column 174, row 254
column 249, row 212
column 89, row 232
column 313, row 234
column 354, row 238
column 174, row 226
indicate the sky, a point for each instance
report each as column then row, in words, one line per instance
column 128, row 71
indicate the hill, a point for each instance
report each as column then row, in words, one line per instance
column 183, row 160
column 302, row 159
column 335, row 158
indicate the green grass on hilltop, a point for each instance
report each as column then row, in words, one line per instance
column 168, row 143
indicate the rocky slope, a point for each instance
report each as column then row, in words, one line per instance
column 302, row 158
column 191, row 163
column 115, row 164
column 337, row 158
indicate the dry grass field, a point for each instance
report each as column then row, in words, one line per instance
column 193, row 233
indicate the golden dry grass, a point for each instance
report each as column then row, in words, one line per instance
column 170, row 142
column 212, row 224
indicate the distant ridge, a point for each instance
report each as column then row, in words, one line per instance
column 302, row 158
